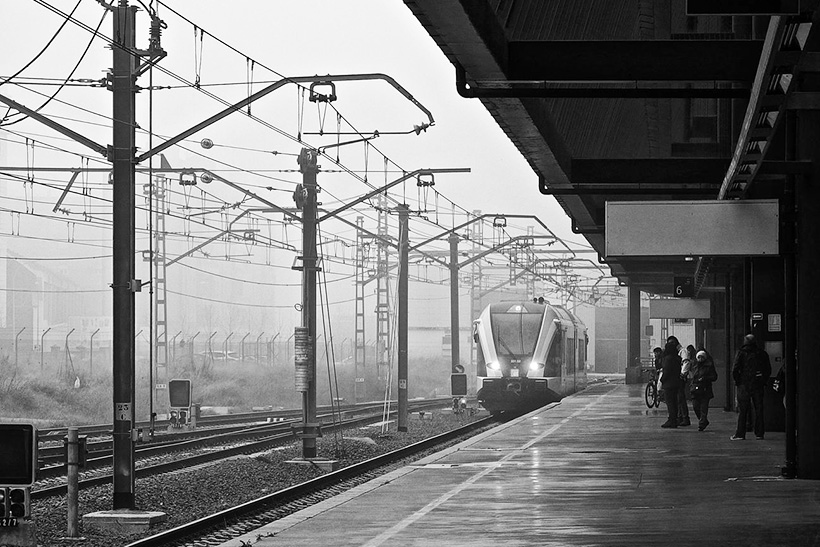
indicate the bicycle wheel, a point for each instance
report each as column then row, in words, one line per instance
column 651, row 395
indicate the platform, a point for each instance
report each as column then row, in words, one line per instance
column 595, row 469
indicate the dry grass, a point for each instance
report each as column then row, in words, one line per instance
column 49, row 396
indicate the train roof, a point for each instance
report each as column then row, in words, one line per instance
column 521, row 306
column 517, row 306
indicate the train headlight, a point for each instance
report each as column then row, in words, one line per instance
column 535, row 365
column 494, row 365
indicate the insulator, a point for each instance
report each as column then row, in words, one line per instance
column 155, row 33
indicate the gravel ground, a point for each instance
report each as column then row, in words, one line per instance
column 194, row 493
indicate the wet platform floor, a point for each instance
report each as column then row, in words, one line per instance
column 594, row 470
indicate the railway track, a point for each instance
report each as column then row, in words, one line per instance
column 51, row 454
column 235, row 521
column 55, row 435
column 245, row 441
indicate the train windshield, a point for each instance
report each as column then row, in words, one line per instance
column 516, row 333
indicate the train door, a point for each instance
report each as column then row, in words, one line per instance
column 481, row 363
column 571, row 361
column 554, row 356
column 582, row 359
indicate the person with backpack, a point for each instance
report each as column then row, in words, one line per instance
column 703, row 374
column 686, row 363
column 750, row 371
column 671, row 382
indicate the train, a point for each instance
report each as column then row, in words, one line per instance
column 529, row 354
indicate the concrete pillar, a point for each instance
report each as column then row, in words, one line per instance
column 633, row 336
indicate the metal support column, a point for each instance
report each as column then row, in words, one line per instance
column 360, row 386
column 790, row 305
column 382, row 294
column 633, row 329
column 308, row 167
column 404, row 251
column 807, row 377
column 161, row 373
column 475, row 286
column 532, row 278
column 454, row 325
column 122, row 82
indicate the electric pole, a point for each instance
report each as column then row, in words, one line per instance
column 359, row 352
column 404, row 251
column 454, row 323
column 306, row 196
column 121, row 81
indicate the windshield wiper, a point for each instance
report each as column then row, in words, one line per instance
column 506, row 347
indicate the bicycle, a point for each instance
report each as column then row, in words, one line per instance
column 652, row 396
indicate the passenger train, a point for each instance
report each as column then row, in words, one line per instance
column 528, row 354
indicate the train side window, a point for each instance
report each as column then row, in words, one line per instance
column 555, row 356
column 582, row 359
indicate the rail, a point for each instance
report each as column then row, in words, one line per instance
column 198, row 527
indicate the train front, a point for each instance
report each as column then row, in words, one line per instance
column 512, row 341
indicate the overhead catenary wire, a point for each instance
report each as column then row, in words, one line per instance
column 40, row 53
column 332, row 377
column 71, row 73
column 253, row 305
column 198, row 153
column 82, row 25
column 363, row 177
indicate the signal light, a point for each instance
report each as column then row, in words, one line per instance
column 15, row 503
column 179, row 393
column 179, row 399
column 458, row 384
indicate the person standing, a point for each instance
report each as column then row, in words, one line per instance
column 670, row 382
column 750, row 371
column 703, row 374
column 683, row 406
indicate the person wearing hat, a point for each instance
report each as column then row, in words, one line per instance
column 703, row 374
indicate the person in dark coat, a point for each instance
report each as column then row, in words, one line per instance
column 750, row 371
column 671, row 382
column 703, row 374
column 683, row 406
